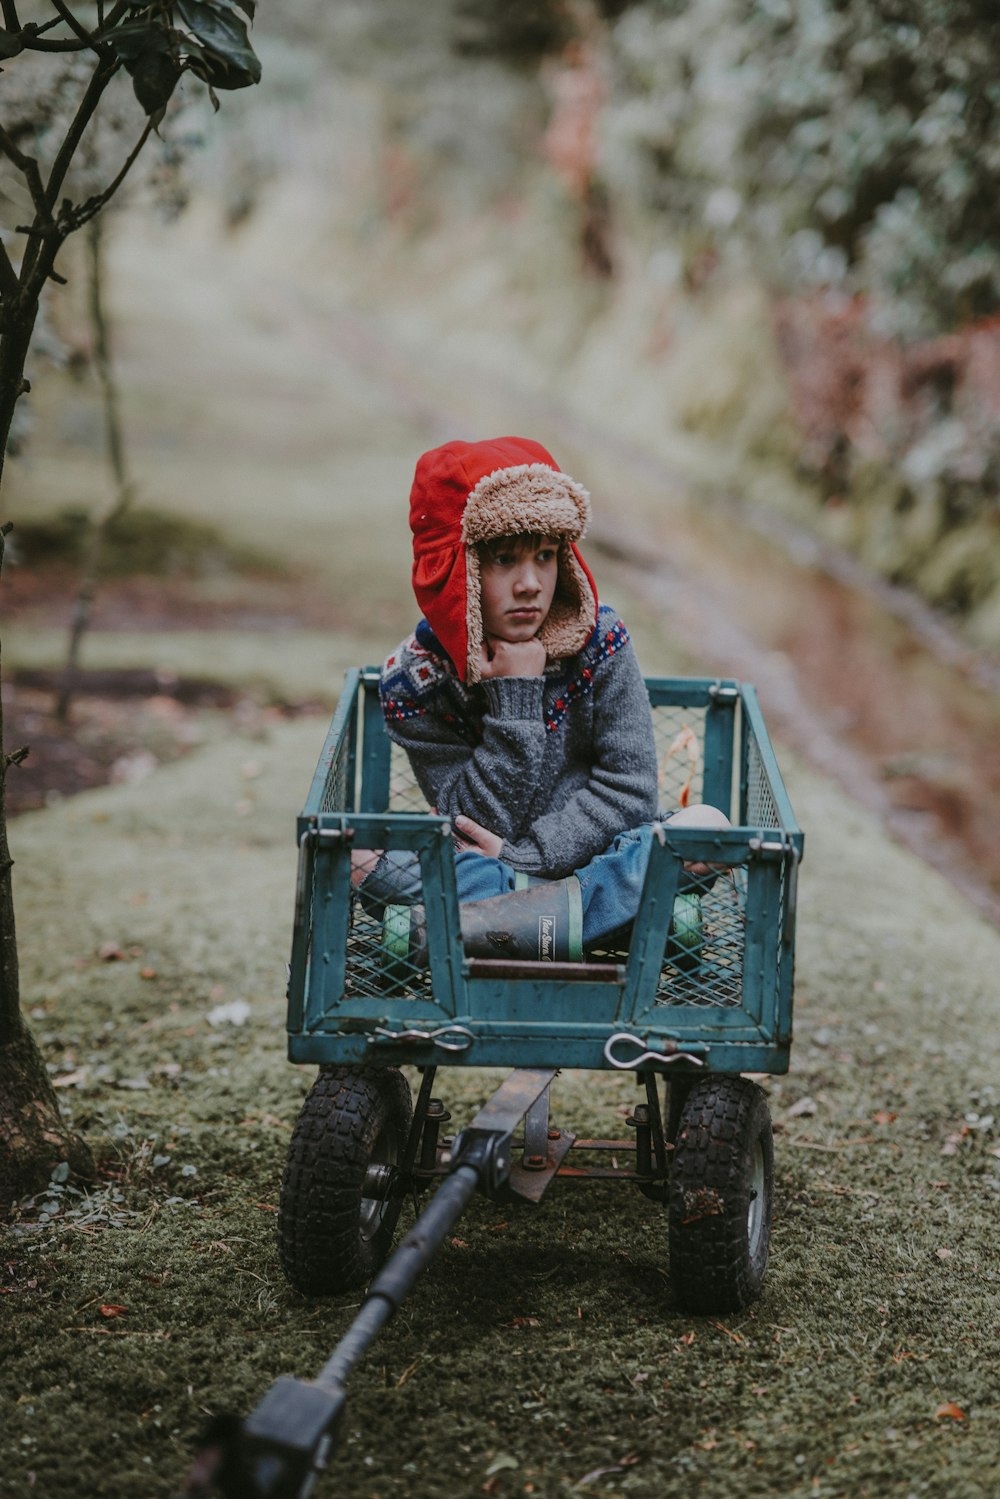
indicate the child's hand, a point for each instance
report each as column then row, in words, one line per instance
column 512, row 658
column 476, row 839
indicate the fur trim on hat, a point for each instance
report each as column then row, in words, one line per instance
column 530, row 497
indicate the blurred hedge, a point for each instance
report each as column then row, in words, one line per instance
column 848, row 142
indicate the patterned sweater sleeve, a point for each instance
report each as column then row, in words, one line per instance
column 491, row 780
column 620, row 791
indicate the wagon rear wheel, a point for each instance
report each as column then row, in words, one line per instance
column 341, row 1195
column 721, row 1195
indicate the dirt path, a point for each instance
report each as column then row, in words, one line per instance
column 540, row 1355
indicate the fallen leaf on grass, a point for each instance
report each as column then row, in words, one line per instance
column 501, row 1463
column 736, row 1336
column 409, row 1372
column 687, row 1338
column 266, row 1207
column 949, row 1411
column 524, row 1322
column 628, row 1461
column 110, row 952
column 112, row 1309
column 884, row 1116
column 943, row 1254
column 70, row 1079
column 804, row 1109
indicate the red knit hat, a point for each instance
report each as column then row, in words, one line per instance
column 469, row 492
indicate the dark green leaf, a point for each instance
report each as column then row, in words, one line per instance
column 222, row 33
column 134, row 38
column 154, row 77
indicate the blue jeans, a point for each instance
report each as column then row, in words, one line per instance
column 610, row 884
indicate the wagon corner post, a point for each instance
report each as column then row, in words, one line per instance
column 155, row 47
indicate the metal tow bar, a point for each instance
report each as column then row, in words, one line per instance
column 277, row 1452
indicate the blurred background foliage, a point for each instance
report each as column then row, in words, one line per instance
column 762, row 240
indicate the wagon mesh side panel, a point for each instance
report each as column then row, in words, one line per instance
column 334, row 797
column 378, row 967
column 761, row 808
column 680, row 735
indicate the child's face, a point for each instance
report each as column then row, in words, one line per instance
column 518, row 583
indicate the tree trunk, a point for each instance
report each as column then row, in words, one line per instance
column 33, row 1137
column 18, row 327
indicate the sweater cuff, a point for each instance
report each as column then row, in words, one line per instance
column 514, row 697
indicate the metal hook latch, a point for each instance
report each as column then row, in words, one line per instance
column 673, row 1051
column 462, row 1037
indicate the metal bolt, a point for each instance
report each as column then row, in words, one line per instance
column 555, row 1134
column 535, row 1162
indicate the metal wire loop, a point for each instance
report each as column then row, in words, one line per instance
column 463, row 1037
column 643, row 1055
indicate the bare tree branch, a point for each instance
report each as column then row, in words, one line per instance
column 9, row 10
column 28, row 167
column 100, row 78
column 9, row 284
column 35, row 42
column 114, row 15
column 32, row 34
column 77, row 28
column 77, row 216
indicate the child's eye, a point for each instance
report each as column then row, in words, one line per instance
column 545, row 554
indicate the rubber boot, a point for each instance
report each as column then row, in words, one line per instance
column 542, row 923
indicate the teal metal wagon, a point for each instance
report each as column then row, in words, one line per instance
column 696, row 995
column 700, row 993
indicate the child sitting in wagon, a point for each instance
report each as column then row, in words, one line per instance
column 522, row 709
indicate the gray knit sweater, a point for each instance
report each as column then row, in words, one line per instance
column 556, row 765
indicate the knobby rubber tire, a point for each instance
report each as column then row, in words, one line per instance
column 721, row 1195
column 331, row 1235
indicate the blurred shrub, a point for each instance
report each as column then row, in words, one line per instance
column 137, row 541
column 848, row 142
column 519, row 31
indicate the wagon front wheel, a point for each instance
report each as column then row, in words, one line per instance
column 721, row 1195
column 340, row 1194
